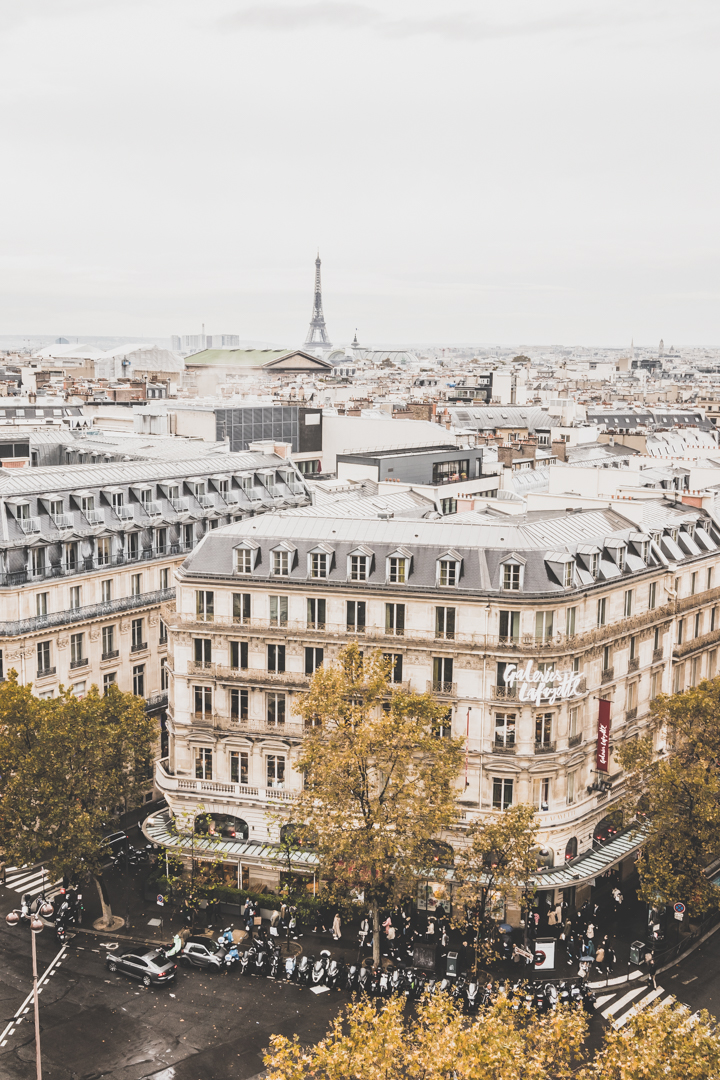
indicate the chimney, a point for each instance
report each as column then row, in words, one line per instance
column 559, row 450
column 505, row 455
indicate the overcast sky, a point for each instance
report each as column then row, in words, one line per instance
column 472, row 170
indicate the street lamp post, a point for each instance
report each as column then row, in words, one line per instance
column 36, row 925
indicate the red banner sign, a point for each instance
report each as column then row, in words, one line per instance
column 603, row 736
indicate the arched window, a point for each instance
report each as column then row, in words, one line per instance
column 571, row 848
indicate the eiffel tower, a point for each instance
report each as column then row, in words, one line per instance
column 317, row 332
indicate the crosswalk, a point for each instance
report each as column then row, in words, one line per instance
column 31, row 880
column 621, row 1005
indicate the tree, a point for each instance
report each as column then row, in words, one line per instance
column 658, row 1044
column 497, row 863
column 67, row 765
column 678, row 793
column 435, row 1043
column 379, row 780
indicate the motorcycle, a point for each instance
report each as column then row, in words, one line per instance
column 364, row 980
column 335, row 973
column 291, row 968
column 262, row 961
column 275, row 962
column 471, row 997
column 232, row 957
column 576, row 997
column 304, row 970
column 246, row 961
column 564, row 997
column 539, row 1000
column 61, row 934
column 384, row 983
column 351, row 978
column 551, row 995
column 319, row 969
column 397, row 982
column 225, row 937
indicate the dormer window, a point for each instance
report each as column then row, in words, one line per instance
column 244, row 561
column 318, row 565
column 281, row 563
column 447, row 572
column 358, row 567
column 397, row 570
column 511, row 576
column 567, row 575
column 592, row 565
column 620, row 558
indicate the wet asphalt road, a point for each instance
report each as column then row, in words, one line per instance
column 94, row 1024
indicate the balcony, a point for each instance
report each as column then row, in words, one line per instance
column 139, row 646
column 445, row 689
column 657, row 654
column 287, row 730
column 124, row 513
column 112, row 655
column 81, row 662
column 152, row 509
column 63, row 521
column 505, row 693
column 94, row 517
column 45, row 673
column 545, row 747
column 502, row 748
column 206, row 501
column 575, row 740
column 263, row 678
column 29, row 525
column 633, row 664
column 608, row 675
column 180, row 506
column 631, row 714
column 156, row 701
column 201, row 667
column 192, row 786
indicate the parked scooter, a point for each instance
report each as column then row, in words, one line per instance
column 304, row 970
column 246, row 960
column 319, row 969
column 364, row 980
column 471, row 997
column 335, row 974
column 291, row 968
column 275, row 964
column 225, row 937
column 351, row 978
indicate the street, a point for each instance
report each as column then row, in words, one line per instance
column 96, row 1024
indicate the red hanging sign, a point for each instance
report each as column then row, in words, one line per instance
column 603, row 736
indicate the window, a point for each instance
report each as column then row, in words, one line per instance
column 571, row 786
column 203, row 763
column 136, row 584
column 103, row 551
column 78, row 689
column 163, row 634
column 203, row 702
column 679, row 679
column 713, row 618
column 308, row 468
column 442, row 727
column 43, row 658
column 656, row 638
column 275, row 771
column 205, row 605
column 164, row 675
column 628, row 603
column 136, row 635
column 620, row 558
column 318, row 565
column 397, row 570
column 505, row 726
column 316, row 614
column 358, row 567
column 541, row 793
column 693, row 583
column 696, row 627
column 109, row 679
column 567, row 575
column 275, row 709
column 239, row 767
column 544, row 625
column 712, row 664
column 445, row 623
column 71, row 556
column 395, row 619
column 448, row 506
column 709, row 578
column 695, row 670
column 133, row 545
column 238, row 704
column 511, row 576
column 502, row 793
column 447, row 572
column 573, row 724
column 276, row 658
column 447, row 472
column 76, row 650
column 607, row 658
column 41, row 603
column 202, row 651
column 165, row 578
column 278, row 610
column 680, row 631
column 313, row 659
column 241, row 607
column 239, row 654
column 244, row 561
column 281, row 563
column 655, row 684
column 570, row 614
column 543, row 729
column 593, row 564
column 601, row 611
column 106, row 590
column 631, row 696
column 355, row 616
column 443, row 674
column 396, row 666
column 188, row 535
column 652, row 595
column 139, row 680
column 37, row 561
column 108, row 642
column 633, row 648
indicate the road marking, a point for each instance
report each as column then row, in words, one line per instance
column 623, row 1001
column 637, row 1007
column 691, row 979
column 602, row 1000
column 24, row 1008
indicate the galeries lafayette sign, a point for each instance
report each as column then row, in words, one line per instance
column 543, row 686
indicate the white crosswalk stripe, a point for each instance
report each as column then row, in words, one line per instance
column 620, row 1007
column 30, row 880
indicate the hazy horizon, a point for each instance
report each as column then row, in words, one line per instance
column 474, row 172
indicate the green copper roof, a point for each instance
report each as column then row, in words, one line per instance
column 250, row 358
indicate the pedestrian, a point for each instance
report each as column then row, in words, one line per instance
column 610, row 960
column 364, row 931
column 599, row 959
column 336, row 928
column 590, row 932
column 3, row 866
column 570, row 947
column 652, row 970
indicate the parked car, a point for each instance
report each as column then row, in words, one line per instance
column 147, row 968
column 203, row 952
column 115, row 841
